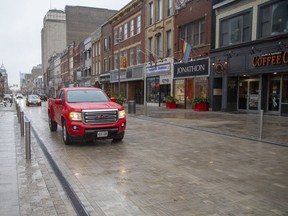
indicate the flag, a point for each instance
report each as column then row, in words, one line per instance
column 186, row 48
column 152, row 59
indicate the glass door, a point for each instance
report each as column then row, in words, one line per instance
column 253, row 95
column 243, row 95
column 249, row 97
column 274, row 95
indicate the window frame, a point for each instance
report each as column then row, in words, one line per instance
column 226, row 21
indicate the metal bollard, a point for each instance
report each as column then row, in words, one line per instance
column 22, row 123
column 17, row 109
column 261, row 125
column 131, row 107
column 28, row 140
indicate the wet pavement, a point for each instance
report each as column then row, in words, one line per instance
column 171, row 162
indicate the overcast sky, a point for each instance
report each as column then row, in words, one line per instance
column 21, row 22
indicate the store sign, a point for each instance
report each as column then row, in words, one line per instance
column 192, row 68
column 165, row 80
column 276, row 58
column 159, row 69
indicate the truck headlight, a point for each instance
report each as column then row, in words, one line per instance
column 75, row 116
column 121, row 114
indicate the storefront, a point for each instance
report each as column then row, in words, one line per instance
column 190, row 81
column 158, row 79
column 251, row 79
column 131, row 83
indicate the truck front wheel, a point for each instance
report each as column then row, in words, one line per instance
column 119, row 137
column 65, row 134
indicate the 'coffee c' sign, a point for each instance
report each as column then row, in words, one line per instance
column 276, row 58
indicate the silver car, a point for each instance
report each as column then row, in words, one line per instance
column 33, row 100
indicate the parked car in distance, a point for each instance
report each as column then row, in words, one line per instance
column 33, row 100
column 19, row 96
column 42, row 96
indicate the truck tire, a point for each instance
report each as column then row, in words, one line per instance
column 52, row 124
column 119, row 137
column 65, row 135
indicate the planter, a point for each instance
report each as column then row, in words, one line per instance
column 171, row 105
column 202, row 106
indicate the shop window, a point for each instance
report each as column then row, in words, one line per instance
column 179, row 90
column 152, row 91
column 201, row 87
column 236, row 29
column 273, row 19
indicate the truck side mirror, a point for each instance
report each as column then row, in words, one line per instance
column 113, row 99
column 58, row 101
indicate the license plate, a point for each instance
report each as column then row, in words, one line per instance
column 102, row 133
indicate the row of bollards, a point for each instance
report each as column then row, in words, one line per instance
column 20, row 115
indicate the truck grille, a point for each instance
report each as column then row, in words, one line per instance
column 100, row 116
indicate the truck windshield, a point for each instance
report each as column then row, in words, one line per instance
column 79, row 96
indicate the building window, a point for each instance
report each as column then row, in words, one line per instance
column 99, row 48
column 151, row 13
column 105, row 65
column 120, row 32
column 109, row 42
column 138, row 24
column 159, row 46
column 199, row 32
column 105, row 44
column 109, row 63
column 115, row 36
column 186, row 33
column 236, row 29
column 150, row 45
column 131, row 27
column 168, row 43
column 159, row 10
column 131, row 56
column 273, row 19
column 138, row 59
column 116, row 61
column 169, row 7
column 125, row 31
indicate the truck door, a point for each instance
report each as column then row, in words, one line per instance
column 59, row 107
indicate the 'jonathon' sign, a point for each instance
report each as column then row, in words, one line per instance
column 192, row 68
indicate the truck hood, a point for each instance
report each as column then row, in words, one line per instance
column 95, row 106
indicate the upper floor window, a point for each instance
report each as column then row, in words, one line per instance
column 151, row 11
column 168, row 43
column 125, row 31
column 105, row 44
column 138, row 24
column 138, row 58
column 199, row 32
column 132, row 27
column 105, row 65
column 159, row 10
column 169, row 7
column 120, row 33
column 131, row 56
column 273, row 19
column 159, row 51
column 235, row 29
column 115, row 36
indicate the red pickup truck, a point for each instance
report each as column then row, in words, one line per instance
column 86, row 114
